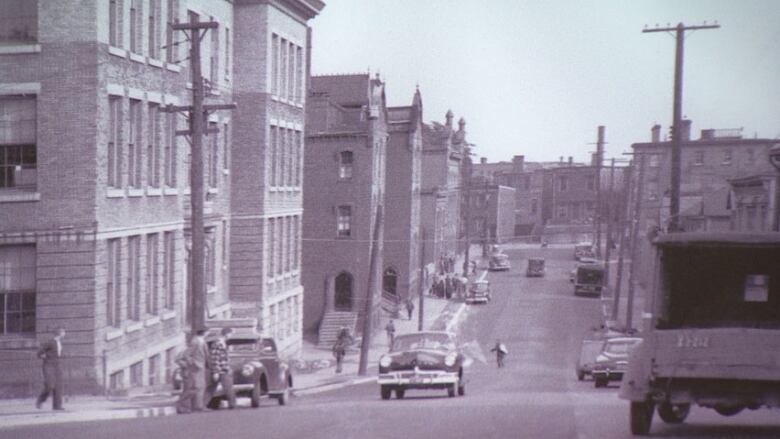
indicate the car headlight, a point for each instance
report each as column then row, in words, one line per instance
column 601, row 359
column 450, row 359
column 247, row 370
column 385, row 361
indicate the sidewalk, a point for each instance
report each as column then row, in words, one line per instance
column 314, row 372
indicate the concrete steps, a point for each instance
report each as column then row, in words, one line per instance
column 331, row 326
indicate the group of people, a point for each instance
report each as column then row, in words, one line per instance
column 203, row 369
column 448, row 285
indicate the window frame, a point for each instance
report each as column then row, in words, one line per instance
column 344, row 219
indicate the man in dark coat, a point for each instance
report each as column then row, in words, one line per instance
column 51, row 352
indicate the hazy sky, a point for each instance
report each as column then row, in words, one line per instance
column 537, row 77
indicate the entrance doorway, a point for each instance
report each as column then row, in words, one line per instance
column 343, row 292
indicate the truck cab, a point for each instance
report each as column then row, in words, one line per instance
column 711, row 334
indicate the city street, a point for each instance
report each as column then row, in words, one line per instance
column 536, row 395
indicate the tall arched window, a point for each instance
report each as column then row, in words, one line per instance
column 343, row 292
column 345, row 165
column 390, row 281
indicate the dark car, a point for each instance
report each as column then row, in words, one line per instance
column 422, row 360
column 499, row 262
column 478, row 292
column 589, row 351
column 535, row 267
column 612, row 361
column 589, row 279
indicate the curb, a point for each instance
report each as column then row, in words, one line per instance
column 455, row 317
column 85, row 416
column 332, row 386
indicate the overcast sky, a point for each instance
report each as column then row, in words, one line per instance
column 537, row 77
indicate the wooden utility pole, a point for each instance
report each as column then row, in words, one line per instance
column 421, row 286
column 467, row 213
column 365, row 343
column 599, row 161
column 674, row 202
column 634, row 242
column 622, row 223
column 608, row 251
column 198, row 113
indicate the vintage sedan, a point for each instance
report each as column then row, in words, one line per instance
column 589, row 352
column 422, row 360
column 499, row 262
column 478, row 292
column 257, row 369
column 612, row 362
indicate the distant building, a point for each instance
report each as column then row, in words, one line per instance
column 753, row 203
column 491, row 212
column 344, row 183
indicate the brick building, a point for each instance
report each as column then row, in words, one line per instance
column 491, row 212
column 401, row 273
column 94, row 184
column 344, row 183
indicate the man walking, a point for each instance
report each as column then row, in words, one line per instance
column 390, row 329
column 220, row 369
column 199, row 353
column 501, row 351
column 51, row 352
column 409, row 307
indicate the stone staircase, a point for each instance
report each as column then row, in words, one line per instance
column 332, row 324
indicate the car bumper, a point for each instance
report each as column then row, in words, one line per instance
column 478, row 299
column 608, row 374
column 421, row 379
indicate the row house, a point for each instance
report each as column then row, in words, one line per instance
column 94, row 182
column 344, row 186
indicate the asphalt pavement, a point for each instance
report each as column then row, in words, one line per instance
column 536, row 395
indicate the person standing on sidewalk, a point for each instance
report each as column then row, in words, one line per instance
column 220, row 369
column 51, row 352
column 390, row 329
column 199, row 354
column 409, row 307
column 184, row 363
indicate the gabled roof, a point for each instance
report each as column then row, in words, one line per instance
column 345, row 90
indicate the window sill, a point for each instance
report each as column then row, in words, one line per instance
column 173, row 67
column 113, row 334
column 134, row 327
column 168, row 315
column 115, row 193
column 20, row 49
column 152, row 321
column 137, row 57
column 155, row 63
column 135, row 192
column 154, row 191
column 167, row 190
column 19, row 197
column 117, row 51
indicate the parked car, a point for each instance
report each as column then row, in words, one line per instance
column 584, row 250
column 612, row 361
column 589, row 279
column 535, row 267
column 589, row 351
column 499, row 262
column 422, row 360
column 478, row 292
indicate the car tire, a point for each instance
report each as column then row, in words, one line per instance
column 641, row 417
column 214, row 403
column 580, row 375
column 255, row 396
column 673, row 413
column 385, row 391
column 461, row 388
column 452, row 390
column 599, row 382
column 399, row 392
column 728, row 410
column 284, row 397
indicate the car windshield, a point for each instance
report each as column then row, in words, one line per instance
column 619, row 347
column 589, row 275
column 239, row 345
column 479, row 287
column 408, row 342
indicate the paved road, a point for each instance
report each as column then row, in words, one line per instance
column 535, row 396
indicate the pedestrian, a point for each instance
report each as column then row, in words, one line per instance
column 501, row 351
column 220, row 369
column 184, row 363
column 409, row 307
column 51, row 352
column 390, row 329
column 339, row 351
column 199, row 355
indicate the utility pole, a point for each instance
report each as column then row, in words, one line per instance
column 635, row 243
column 608, row 251
column 622, row 223
column 421, row 289
column 599, row 161
column 365, row 343
column 674, row 202
column 467, row 215
column 198, row 113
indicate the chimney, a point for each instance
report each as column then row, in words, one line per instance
column 448, row 119
column 655, row 133
column 561, row 160
column 461, row 124
column 518, row 163
column 483, row 160
column 686, row 130
column 571, row 160
column 594, row 159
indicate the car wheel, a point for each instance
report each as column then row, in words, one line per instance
column 599, row 382
column 385, row 391
column 452, row 390
column 728, row 410
column 641, row 417
column 255, row 397
column 399, row 392
column 673, row 413
column 214, row 403
column 580, row 375
column 284, row 397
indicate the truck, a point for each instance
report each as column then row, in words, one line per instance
column 711, row 328
column 588, row 278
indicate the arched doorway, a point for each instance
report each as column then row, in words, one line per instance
column 343, row 292
column 390, row 281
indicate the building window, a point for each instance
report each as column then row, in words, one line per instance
column 134, row 145
column 271, row 245
column 169, row 158
column 152, row 271
column 171, row 9
column 154, row 370
column 18, row 21
column 114, row 23
column 211, row 259
column 169, row 269
column 135, row 25
column 288, row 239
column 279, row 246
column 17, row 289
column 298, row 157
column 296, row 242
column 137, row 374
column 345, row 165
column 282, row 156
column 527, row 183
column 291, row 72
column 299, row 73
column 117, row 380
column 534, row 205
column 133, row 277
column 227, row 54
column 272, row 154
column 154, row 28
column 561, row 212
column 18, row 149
column 698, row 158
column 563, row 183
column 153, row 149
column 213, row 156
column 275, row 64
column 655, row 160
column 344, row 221
column 727, row 156
column 652, row 190
column 114, row 142
column 214, row 55
column 170, row 356
column 225, row 147
column 113, row 283
column 283, row 69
